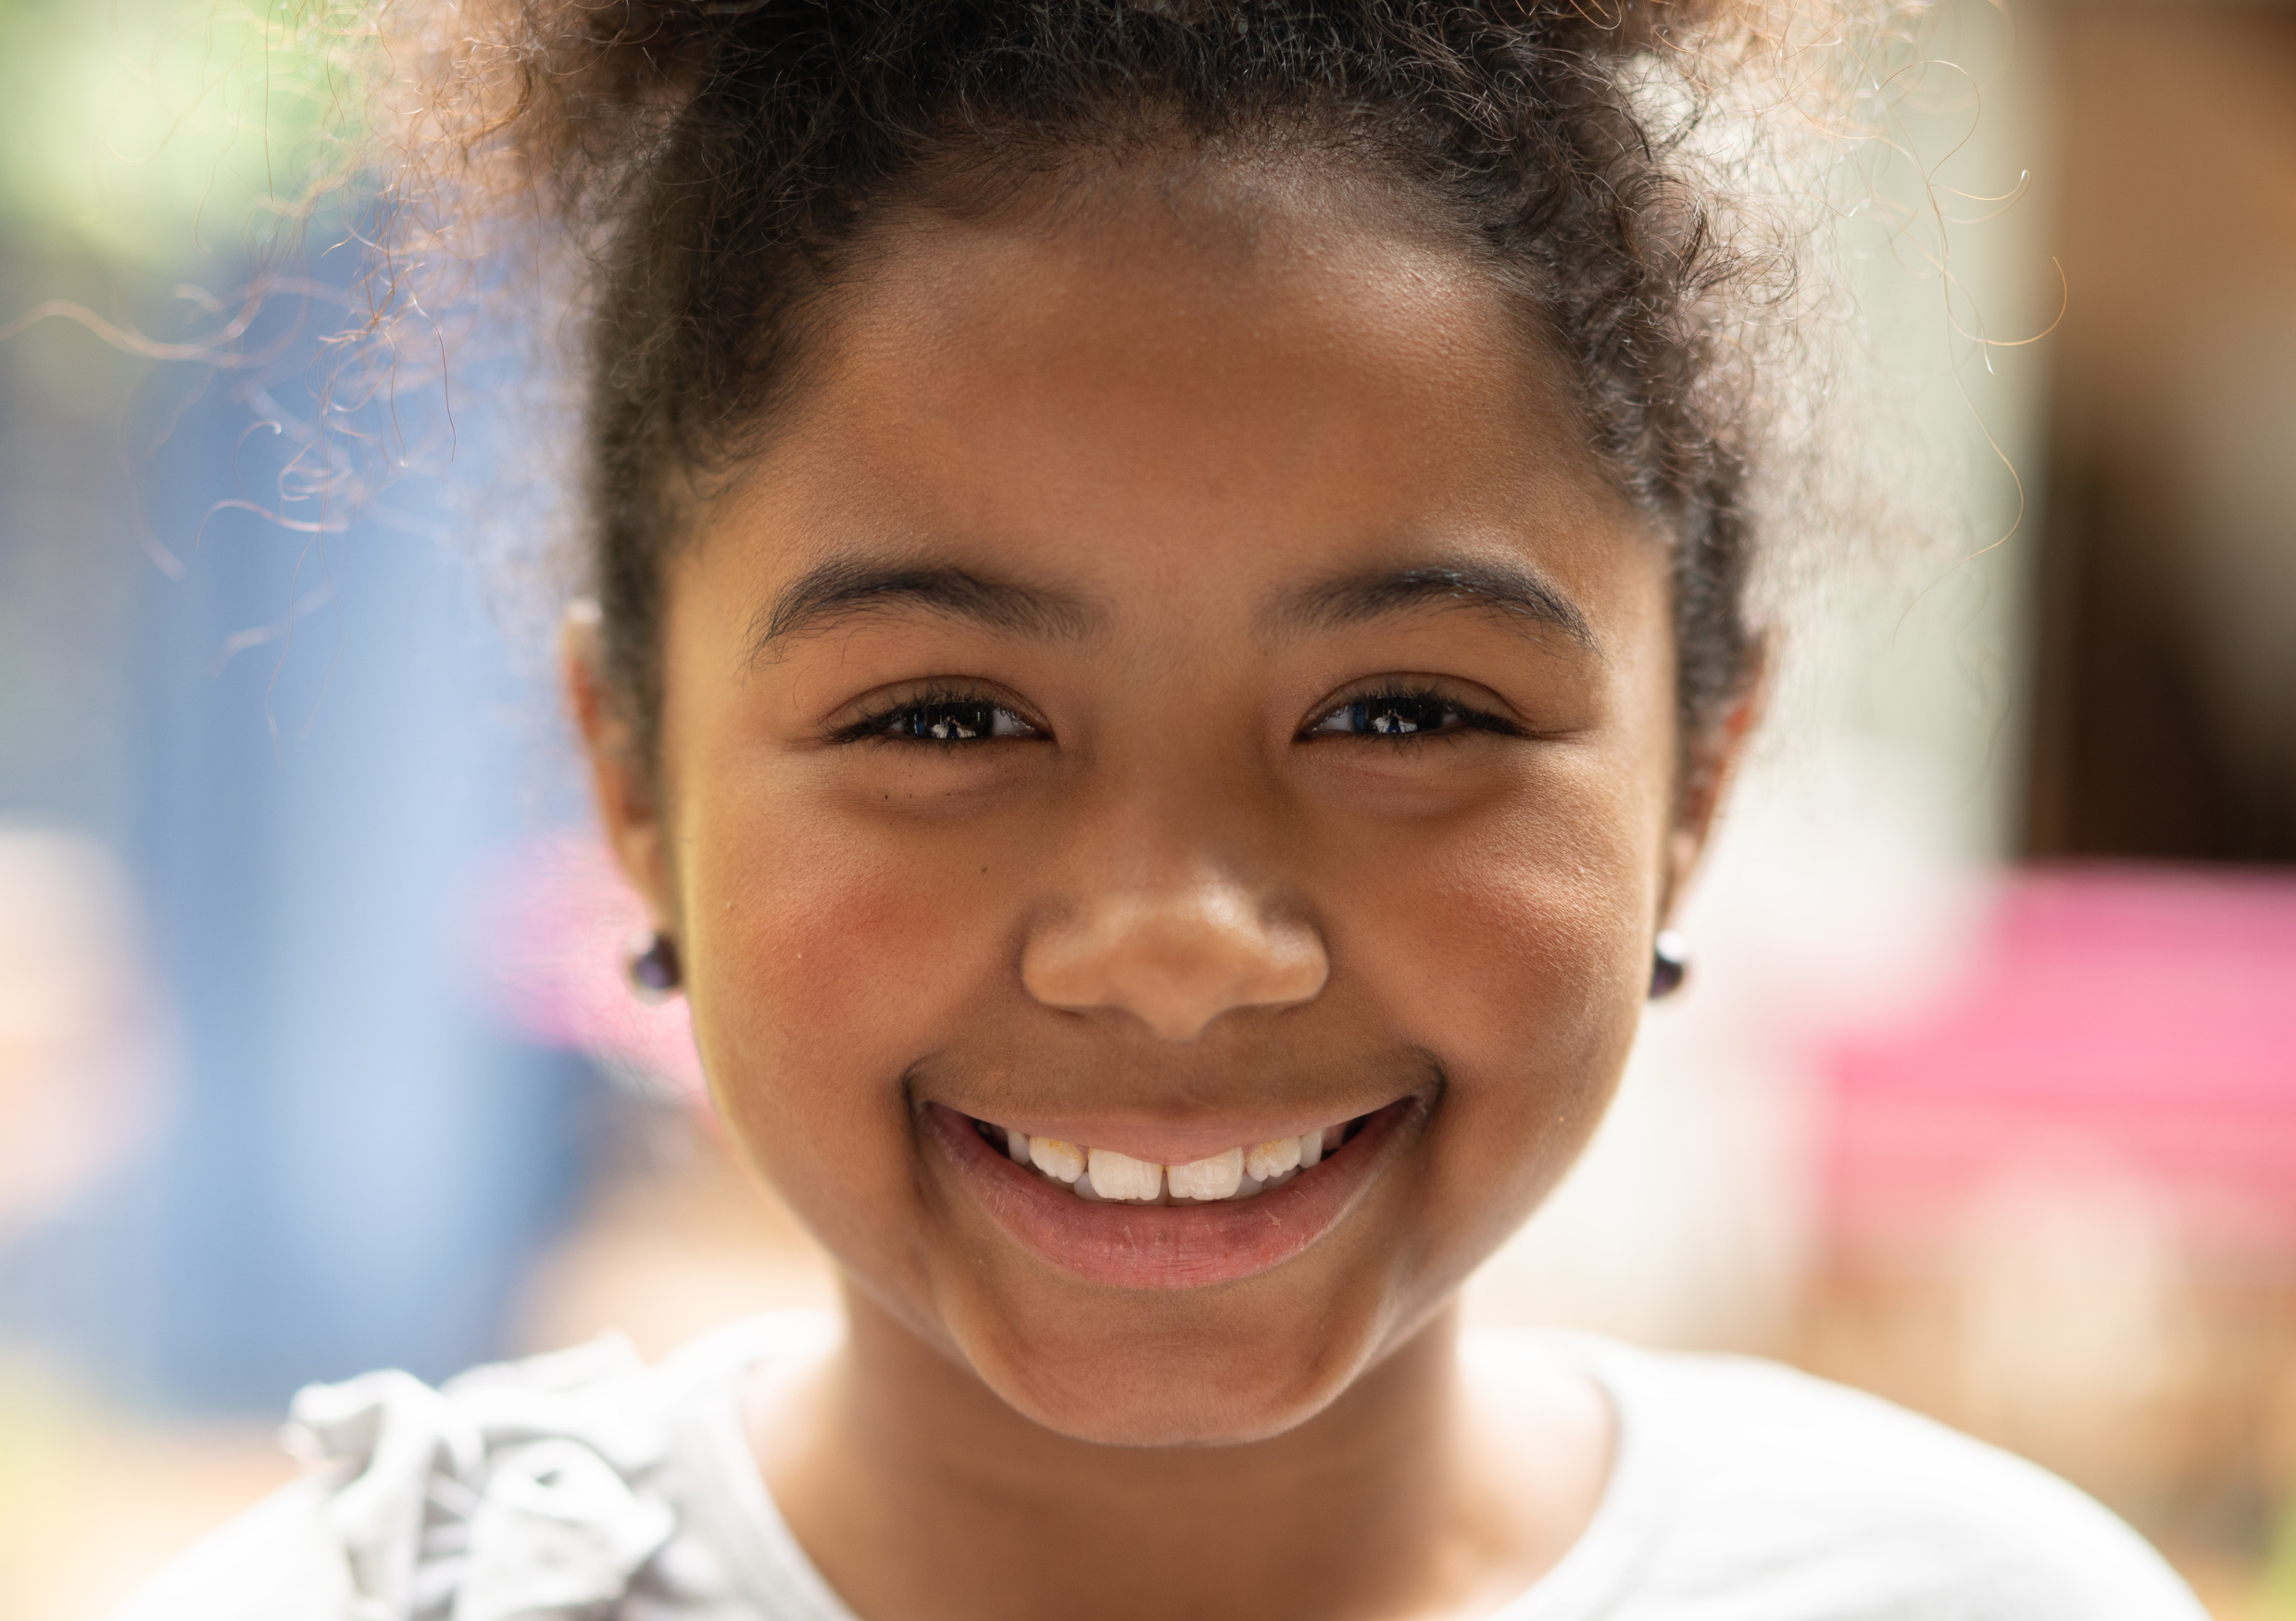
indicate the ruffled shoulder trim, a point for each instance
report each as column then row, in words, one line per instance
column 521, row 1492
column 572, row 1487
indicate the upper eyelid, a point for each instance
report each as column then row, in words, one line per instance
column 911, row 695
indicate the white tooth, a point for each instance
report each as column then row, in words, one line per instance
column 1122, row 1176
column 1055, row 1158
column 1311, row 1148
column 1246, row 1187
column 1272, row 1159
column 1084, row 1189
column 1333, row 1136
column 1217, row 1177
column 1275, row 1182
column 1016, row 1144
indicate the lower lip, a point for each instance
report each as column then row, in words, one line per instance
column 1156, row 1246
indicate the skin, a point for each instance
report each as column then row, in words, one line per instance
column 1162, row 434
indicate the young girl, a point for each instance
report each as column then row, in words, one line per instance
column 1168, row 621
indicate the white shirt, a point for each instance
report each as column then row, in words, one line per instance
column 583, row 1486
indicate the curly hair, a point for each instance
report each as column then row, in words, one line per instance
column 725, row 162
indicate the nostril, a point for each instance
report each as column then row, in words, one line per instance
column 1176, row 962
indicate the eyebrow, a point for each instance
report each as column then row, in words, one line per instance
column 1507, row 589
column 843, row 587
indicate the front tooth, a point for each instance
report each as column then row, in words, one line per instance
column 1272, row 1159
column 1217, row 1177
column 1016, row 1144
column 1116, row 1175
column 1084, row 1189
column 1055, row 1158
column 1311, row 1148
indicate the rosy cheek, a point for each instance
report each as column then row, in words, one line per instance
column 796, row 996
column 822, row 979
column 1506, row 952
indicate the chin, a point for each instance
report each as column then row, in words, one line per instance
column 1206, row 1399
column 1188, row 1372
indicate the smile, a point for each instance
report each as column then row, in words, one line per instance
column 1108, row 1176
column 1124, row 1220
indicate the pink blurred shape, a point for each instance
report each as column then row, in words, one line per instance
column 2137, row 1020
column 558, row 919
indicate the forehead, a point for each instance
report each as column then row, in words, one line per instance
column 1266, row 372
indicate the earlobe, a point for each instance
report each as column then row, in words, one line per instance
column 620, row 781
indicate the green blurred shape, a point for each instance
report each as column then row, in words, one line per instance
column 2277, row 1592
column 145, row 131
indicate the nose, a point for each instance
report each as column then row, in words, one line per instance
column 1177, row 960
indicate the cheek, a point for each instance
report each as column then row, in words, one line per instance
column 822, row 962
column 1509, row 947
column 1515, row 917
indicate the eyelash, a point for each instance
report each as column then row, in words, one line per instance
column 1468, row 718
column 878, row 727
column 884, row 724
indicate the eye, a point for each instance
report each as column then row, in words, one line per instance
column 941, row 718
column 1404, row 713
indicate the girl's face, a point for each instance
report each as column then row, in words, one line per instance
column 1165, row 688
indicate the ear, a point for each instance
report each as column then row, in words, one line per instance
column 1710, row 762
column 621, row 777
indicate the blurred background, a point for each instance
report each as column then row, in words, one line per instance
column 313, row 1055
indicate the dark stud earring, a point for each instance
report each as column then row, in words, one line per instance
column 652, row 967
column 1670, row 962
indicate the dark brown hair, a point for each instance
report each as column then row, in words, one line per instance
column 725, row 159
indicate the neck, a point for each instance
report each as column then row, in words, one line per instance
column 920, row 1493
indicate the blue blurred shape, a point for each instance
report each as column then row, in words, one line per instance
column 360, row 1163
